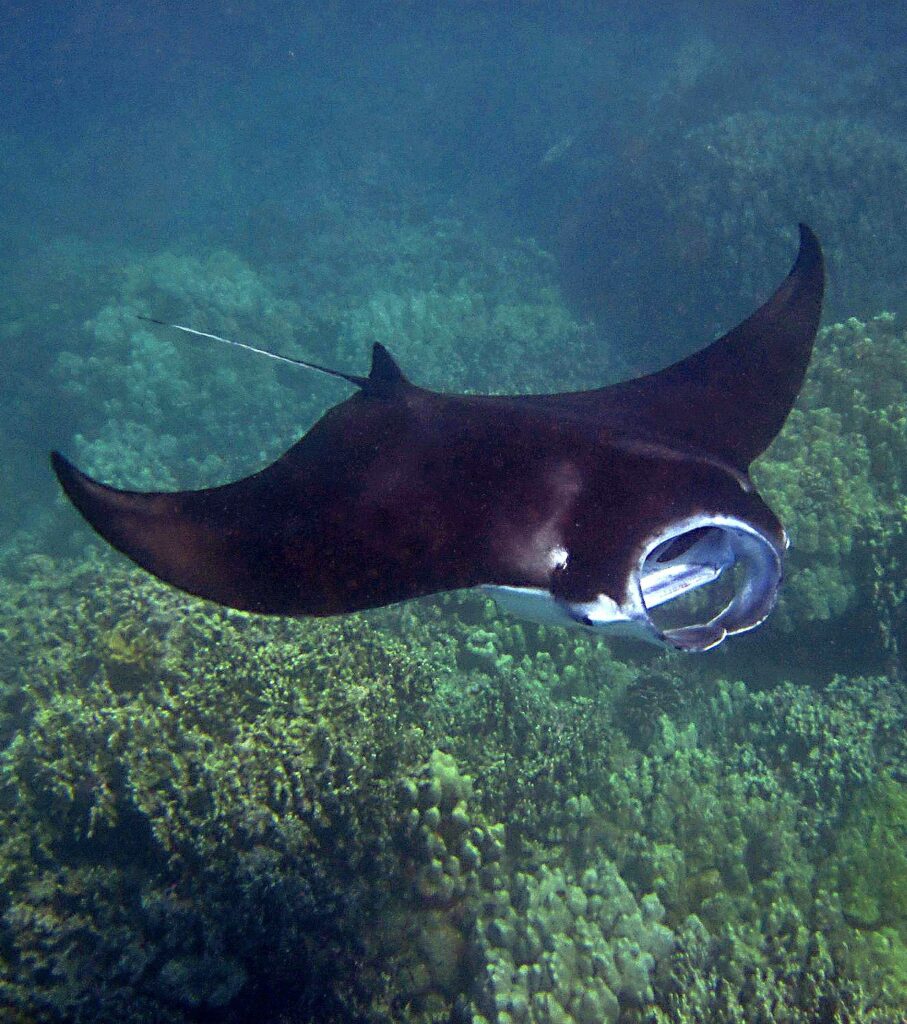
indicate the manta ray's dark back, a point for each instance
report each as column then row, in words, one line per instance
column 400, row 491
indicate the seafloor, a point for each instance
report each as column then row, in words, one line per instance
column 433, row 813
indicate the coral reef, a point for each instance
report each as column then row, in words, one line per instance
column 719, row 194
column 424, row 818
column 168, row 402
column 866, row 880
column 738, row 186
column 181, row 804
column 434, row 812
column 560, row 949
column 836, row 477
column 447, row 335
column 519, row 946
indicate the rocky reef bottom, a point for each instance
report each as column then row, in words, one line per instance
column 428, row 815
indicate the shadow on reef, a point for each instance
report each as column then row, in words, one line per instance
column 432, row 815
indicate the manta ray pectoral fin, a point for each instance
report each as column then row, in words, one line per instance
column 730, row 399
column 200, row 541
column 291, row 539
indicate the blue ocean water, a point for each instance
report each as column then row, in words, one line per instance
column 435, row 812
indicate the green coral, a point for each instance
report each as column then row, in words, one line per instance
column 204, row 812
column 871, row 856
column 447, row 334
column 868, row 873
column 738, row 185
column 165, row 402
column 232, row 808
column 835, row 475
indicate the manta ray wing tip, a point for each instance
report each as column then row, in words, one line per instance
column 65, row 471
column 809, row 255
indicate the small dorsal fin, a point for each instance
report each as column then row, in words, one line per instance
column 384, row 367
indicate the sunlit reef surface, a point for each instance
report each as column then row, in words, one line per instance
column 433, row 814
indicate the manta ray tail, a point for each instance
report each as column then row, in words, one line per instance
column 384, row 368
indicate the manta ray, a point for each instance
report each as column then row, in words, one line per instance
column 588, row 508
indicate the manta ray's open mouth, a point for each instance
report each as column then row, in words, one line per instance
column 698, row 581
column 690, row 556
